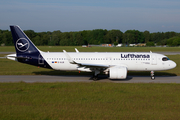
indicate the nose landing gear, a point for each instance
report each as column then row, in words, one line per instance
column 152, row 75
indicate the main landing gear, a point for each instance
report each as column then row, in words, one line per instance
column 152, row 75
column 95, row 76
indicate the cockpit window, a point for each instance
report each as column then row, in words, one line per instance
column 165, row 59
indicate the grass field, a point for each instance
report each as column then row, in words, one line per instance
column 77, row 101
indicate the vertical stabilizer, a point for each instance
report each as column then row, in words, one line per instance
column 22, row 43
column 26, row 51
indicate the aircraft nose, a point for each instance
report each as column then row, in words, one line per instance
column 173, row 64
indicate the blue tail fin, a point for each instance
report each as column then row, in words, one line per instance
column 26, row 51
column 22, row 43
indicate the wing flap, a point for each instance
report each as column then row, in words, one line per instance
column 93, row 65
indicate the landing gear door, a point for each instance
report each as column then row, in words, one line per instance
column 40, row 60
column 154, row 60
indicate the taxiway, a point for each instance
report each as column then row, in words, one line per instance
column 49, row 78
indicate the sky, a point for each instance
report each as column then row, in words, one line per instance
column 79, row 15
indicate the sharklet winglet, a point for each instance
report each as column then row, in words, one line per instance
column 76, row 50
column 69, row 58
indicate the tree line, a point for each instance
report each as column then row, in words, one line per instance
column 96, row 37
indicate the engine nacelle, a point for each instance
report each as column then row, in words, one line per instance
column 118, row 73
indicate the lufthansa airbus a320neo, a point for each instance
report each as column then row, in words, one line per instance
column 116, row 64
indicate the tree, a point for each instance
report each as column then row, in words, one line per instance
column 146, row 36
column 97, row 36
column 127, row 38
column 79, row 38
column 37, row 40
column 30, row 33
column 45, row 38
column 64, row 38
column 175, row 41
column 115, row 43
column 150, row 44
column 133, row 36
column 6, row 37
column 113, row 36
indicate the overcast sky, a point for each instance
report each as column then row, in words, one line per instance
column 78, row 15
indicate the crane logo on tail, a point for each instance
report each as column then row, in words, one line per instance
column 22, row 44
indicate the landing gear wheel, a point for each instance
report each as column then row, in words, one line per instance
column 152, row 77
column 95, row 78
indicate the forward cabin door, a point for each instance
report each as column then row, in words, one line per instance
column 154, row 60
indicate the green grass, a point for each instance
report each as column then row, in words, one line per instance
column 97, row 49
column 66, row 101
column 7, row 49
column 2, row 55
column 48, row 101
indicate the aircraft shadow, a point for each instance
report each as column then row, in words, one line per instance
column 61, row 73
column 130, row 75
column 106, row 77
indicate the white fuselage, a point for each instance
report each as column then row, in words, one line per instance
column 132, row 61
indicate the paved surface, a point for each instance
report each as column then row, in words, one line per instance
column 103, row 78
column 7, row 52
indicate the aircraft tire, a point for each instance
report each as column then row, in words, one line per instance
column 152, row 77
column 95, row 78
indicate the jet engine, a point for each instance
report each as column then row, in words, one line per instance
column 118, row 73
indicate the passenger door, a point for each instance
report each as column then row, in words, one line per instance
column 154, row 60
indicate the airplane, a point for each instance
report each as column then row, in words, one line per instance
column 114, row 64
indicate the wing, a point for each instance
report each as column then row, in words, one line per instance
column 93, row 65
column 87, row 65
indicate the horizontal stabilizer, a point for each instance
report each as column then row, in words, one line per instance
column 14, row 57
